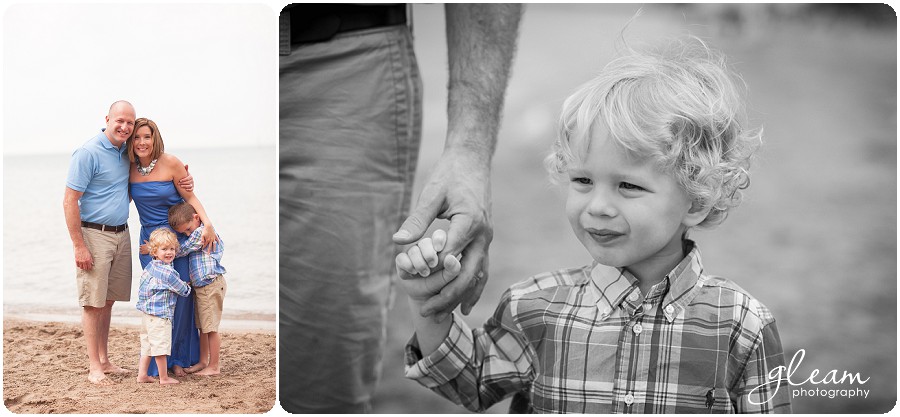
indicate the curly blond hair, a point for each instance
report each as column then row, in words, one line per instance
column 678, row 105
column 159, row 238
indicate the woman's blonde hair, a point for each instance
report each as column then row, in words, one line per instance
column 161, row 237
column 679, row 106
column 158, row 145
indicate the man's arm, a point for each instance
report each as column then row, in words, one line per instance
column 83, row 258
column 481, row 42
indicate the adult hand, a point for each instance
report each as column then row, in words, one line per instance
column 418, row 269
column 83, row 258
column 458, row 190
column 187, row 182
column 208, row 238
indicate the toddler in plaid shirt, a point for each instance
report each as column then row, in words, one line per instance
column 209, row 285
column 160, row 284
column 653, row 147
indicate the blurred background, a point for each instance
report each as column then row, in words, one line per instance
column 815, row 239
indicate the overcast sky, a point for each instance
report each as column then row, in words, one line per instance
column 206, row 73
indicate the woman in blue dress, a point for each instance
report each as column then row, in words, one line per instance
column 152, row 180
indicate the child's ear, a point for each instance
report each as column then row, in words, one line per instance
column 696, row 214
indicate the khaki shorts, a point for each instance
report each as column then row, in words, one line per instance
column 156, row 336
column 110, row 278
column 208, row 305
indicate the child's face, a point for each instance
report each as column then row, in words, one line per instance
column 190, row 226
column 625, row 211
column 165, row 253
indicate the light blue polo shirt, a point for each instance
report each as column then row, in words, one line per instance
column 100, row 171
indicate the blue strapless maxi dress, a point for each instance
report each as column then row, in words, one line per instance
column 153, row 199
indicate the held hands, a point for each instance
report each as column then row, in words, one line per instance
column 419, row 272
column 459, row 190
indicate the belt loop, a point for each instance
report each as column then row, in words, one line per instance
column 284, row 31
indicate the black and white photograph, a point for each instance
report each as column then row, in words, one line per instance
column 139, row 189
column 688, row 208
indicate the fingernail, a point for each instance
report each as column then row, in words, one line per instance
column 402, row 234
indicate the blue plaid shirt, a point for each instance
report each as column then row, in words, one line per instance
column 159, row 286
column 585, row 340
column 204, row 266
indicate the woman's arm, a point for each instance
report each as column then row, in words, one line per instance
column 179, row 172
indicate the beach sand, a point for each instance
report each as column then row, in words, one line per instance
column 45, row 371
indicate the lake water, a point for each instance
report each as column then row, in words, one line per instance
column 236, row 186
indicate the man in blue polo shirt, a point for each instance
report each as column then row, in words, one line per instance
column 96, row 210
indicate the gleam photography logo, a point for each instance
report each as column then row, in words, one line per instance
column 829, row 385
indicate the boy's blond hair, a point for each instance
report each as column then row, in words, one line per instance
column 159, row 238
column 181, row 213
column 679, row 106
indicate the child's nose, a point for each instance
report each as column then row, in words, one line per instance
column 602, row 204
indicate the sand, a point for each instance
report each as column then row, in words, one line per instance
column 45, row 371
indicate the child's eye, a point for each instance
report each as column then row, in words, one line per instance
column 631, row 187
column 581, row 181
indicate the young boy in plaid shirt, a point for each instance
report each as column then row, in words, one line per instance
column 653, row 147
column 209, row 285
column 160, row 284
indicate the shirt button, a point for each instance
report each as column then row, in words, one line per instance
column 637, row 329
column 629, row 399
column 670, row 309
column 633, row 296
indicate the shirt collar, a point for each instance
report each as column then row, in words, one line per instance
column 616, row 287
column 104, row 140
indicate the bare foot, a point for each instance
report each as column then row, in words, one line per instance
column 195, row 367
column 109, row 368
column 146, row 378
column 99, row 378
column 178, row 371
column 209, row 371
column 169, row 381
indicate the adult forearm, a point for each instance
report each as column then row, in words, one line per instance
column 195, row 203
column 73, row 217
column 481, row 43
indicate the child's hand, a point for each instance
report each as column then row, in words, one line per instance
column 415, row 267
column 145, row 248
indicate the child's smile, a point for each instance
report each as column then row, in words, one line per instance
column 166, row 254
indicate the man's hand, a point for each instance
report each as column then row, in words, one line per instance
column 187, row 183
column 458, row 190
column 83, row 258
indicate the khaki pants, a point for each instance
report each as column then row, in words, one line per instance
column 110, row 278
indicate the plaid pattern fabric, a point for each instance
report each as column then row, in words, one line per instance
column 160, row 284
column 204, row 266
column 585, row 340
